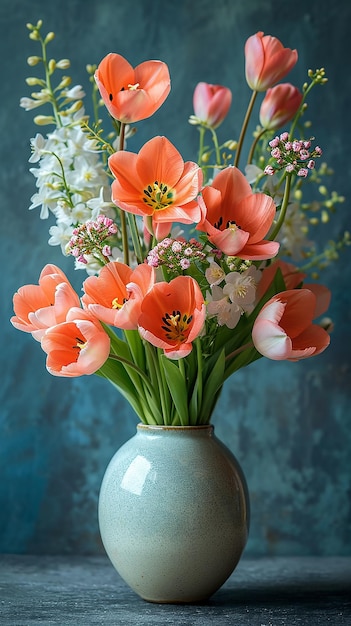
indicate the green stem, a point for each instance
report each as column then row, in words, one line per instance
column 283, row 208
column 54, row 102
column 215, row 143
column 233, row 354
column 201, row 144
column 254, row 144
column 135, row 237
column 134, row 367
column 125, row 243
column 244, row 128
column 164, row 391
column 153, row 368
column 199, row 357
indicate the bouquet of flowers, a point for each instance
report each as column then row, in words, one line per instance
column 193, row 269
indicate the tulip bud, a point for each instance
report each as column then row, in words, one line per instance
column 266, row 61
column 211, row 103
column 279, row 106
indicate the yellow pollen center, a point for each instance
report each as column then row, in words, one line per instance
column 133, row 87
column 232, row 226
column 116, row 304
column 241, row 291
column 158, row 196
column 176, row 326
column 80, row 344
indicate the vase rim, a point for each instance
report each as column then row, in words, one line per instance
column 164, row 427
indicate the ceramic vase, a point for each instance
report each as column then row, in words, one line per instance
column 174, row 513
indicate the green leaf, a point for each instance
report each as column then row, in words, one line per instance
column 213, row 382
column 178, row 389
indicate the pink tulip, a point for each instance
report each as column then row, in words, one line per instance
column 76, row 347
column 279, row 105
column 283, row 330
column 211, row 103
column 266, row 61
column 38, row 307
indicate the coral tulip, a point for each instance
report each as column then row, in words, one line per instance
column 211, row 103
column 37, row 307
column 266, row 61
column 279, row 106
column 132, row 94
column 156, row 183
column 172, row 316
column 76, row 347
column 236, row 219
column 283, row 329
column 115, row 295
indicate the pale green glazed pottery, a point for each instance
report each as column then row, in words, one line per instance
column 174, row 513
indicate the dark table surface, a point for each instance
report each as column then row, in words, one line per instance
column 65, row 590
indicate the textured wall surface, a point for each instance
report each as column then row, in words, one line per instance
column 288, row 423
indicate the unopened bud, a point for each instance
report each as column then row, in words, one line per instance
column 231, row 144
column 43, row 120
column 52, row 66
column 33, row 60
column 31, row 81
column 75, row 107
column 49, row 37
column 63, row 64
column 328, row 324
column 34, row 35
column 65, row 82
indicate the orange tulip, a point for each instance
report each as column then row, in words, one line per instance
column 283, row 329
column 267, row 61
column 172, row 316
column 76, row 347
column 156, row 183
column 211, row 103
column 279, row 106
column 115, row 295
column 236, row 219
column 37, row 307
column 132, row 94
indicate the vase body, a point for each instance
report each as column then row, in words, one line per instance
column 174, row 513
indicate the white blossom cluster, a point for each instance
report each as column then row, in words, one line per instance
column 71, row 180
column 231, row 294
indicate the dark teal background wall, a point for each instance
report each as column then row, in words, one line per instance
column 288, row 424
